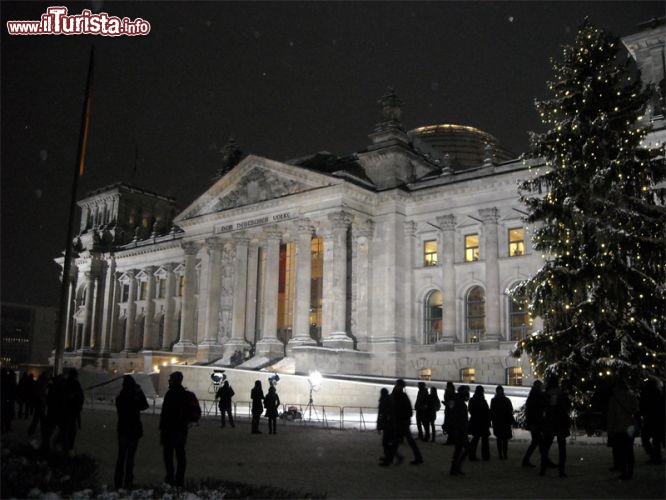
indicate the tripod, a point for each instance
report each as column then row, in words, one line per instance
column 310, row 407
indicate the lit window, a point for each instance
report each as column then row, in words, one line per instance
column 476, row 314
column 519, row 319
column 467, row 375
column 181, row 285
column 516, row 242
column 514, row 375
column 433, row 317
column 471, row 247
column 430, row 253
column 161, row 288
column 143, row 290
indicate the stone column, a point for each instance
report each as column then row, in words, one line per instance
column 186, row 343
column 237, row 341
column 94, row 330
column 108, row 306
column 269, row 345
column 334, row 301
column 87, row 315
column 131, row 311
column 251, row 327
column 361, row 249
column 69, row 344
column 405, row 293
column 149, row 340
column 447, row 255
column 170, row 334
column 303, row 282
column 209, row 301
column 490, row 216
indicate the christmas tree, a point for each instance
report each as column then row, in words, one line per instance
column 596, row 205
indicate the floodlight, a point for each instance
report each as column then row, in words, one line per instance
column 218, row 377
column 315, row 379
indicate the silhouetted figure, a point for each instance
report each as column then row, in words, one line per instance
column 402, row 408
column 449, row 397
column 421, row 407
column 652, row 408
column 257, row 397
column 55, row 401
column 556, row 424
column 501, row 415
column 479, row 424
column 224, row 394
column 23, row 395
column 8, row 395
column 433, row 407
column 386, row 425
column 458, row 427
column 72, row 407
column 39, row 397
column 173, row 430
column 534, row 414
column 130, row 402
column 272, row 402
column 622, row 406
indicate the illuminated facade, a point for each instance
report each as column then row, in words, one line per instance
column 393, row 261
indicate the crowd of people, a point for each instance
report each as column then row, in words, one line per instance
column 547, row 417
column 54, row 406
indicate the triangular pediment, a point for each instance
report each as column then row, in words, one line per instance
column 255, row 180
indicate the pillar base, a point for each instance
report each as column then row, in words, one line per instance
column 445, row 345
column 185, row 347
column 302, row 340
column 489, row 344
column 269, row 348
column 208, row 352
column 338, row 340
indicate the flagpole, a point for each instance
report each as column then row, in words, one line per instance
column 67, row 265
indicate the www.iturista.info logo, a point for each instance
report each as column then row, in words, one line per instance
column 56, row 22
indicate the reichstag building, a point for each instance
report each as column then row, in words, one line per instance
column 393, row 261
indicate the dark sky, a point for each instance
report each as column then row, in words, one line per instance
column 286, row 79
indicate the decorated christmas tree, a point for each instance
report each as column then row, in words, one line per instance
column 596, row 206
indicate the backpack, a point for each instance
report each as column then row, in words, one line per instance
column 192, row 408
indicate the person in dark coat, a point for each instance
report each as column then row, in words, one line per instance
column 652, row 409
column 39, row 399
column 433, row 407
column 556, row 424
column 402, row 408
column 272, row 402
column 55, row 400
column 130, row 402
column 73, row 404
column 479, row 424
column 622, row 406
column 224, row 395
column 449, row 397
column 8, row 395
column 386, row 425
column 173, row 430
column 257, row 397
column 501, row 415
column 458, row 427
column 23, row 393
column 421, row 407
column 534, row 413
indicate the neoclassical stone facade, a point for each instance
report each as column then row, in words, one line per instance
column 393, row 261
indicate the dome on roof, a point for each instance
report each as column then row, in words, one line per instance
column 465, row 146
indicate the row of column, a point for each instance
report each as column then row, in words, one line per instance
column 447, row 223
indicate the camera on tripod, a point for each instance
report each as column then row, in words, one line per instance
column 218, row 377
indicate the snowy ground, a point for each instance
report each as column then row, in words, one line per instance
column 343, row 464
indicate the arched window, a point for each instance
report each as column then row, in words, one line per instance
column 468, row 375
column 520, row 322
column 514, row 375
column 433, row 317
column 476, row 314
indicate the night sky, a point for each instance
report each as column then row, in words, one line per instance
column 286, row 79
